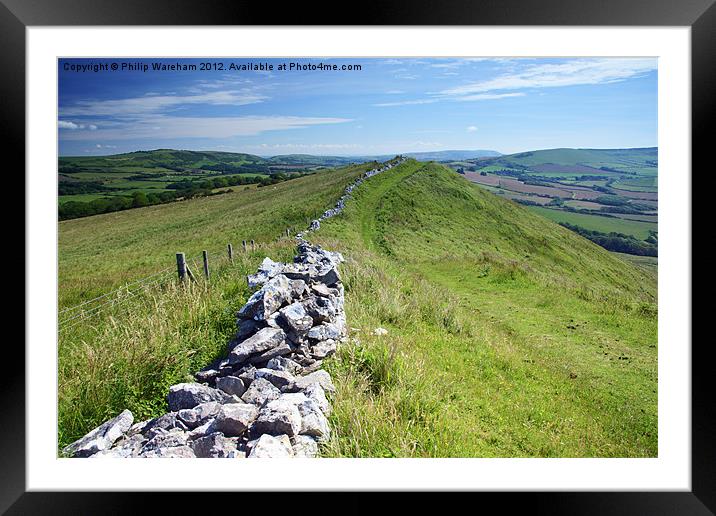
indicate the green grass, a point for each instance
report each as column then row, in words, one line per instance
column 636, row 228
column 508, row 335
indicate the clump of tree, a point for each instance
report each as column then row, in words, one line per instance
column 612, row 200
column 187, row 189
column 618, row 242
column 527, row 202
column 80, row 187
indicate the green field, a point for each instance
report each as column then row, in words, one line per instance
column 598, row 223
column 508, row 335
column 81, row 197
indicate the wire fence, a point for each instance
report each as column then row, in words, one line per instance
column 73, row 316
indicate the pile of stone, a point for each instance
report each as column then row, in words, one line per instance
column 268, row 397
column 341, row 204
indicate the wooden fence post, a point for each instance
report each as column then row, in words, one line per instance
column 181, row 266
column 243, row 243
column 190, row 274
column 231, row 253
column 206, row 264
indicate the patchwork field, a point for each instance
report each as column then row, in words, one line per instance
column 580, row 186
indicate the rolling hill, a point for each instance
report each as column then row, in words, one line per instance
column 507, row 334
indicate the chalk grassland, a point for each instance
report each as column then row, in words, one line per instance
column 125, row 351
column 507, row 334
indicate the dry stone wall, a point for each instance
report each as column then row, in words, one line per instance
column 269, row 396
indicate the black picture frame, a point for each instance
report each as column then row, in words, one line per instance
column 700, row 15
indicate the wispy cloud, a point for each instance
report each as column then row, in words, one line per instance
column 535, row 76
column 134, row 106
column 552, row 75
column 67, row 124
column 487, row 96
column 304, row 147
column 471, row 128
column 406, row 102
column 164, row 127
column 465, row 98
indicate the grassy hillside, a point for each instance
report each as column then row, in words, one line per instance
column 160, row 159
column 99, row 253
column 588, row 157
column 508, row 335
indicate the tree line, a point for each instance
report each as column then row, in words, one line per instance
column 181, row 190
column 619, row 242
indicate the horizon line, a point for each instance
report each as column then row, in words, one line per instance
column 355, row 155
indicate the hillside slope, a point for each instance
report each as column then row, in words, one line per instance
column 508, row 335
column 99, row 253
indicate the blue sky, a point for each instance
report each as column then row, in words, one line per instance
column 389, row 106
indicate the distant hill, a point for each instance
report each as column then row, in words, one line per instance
column 646, row 156
column 452, row 155
column 163, row 160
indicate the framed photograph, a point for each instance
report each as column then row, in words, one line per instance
column 435, row 249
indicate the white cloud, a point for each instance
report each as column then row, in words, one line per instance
column 305, row 146
column 483, row 96
column 488, row 96
column 471, row 128
column 407, row 76
column 406, row 102
column 207, row 127
column 154, row 103
column 66, row 124
column 570, row 73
